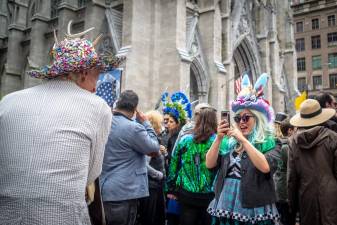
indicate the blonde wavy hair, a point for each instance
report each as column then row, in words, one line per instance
column 278, row 132
column 262, row 128
column 156, row 119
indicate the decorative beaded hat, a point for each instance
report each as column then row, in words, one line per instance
column 74, row 54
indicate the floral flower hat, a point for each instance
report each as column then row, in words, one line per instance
column 179, row 107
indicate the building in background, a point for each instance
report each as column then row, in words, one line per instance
column 316, row 45
column 198, row 46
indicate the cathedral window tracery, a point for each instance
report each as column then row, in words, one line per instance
column 54, row 7
column 82, row 3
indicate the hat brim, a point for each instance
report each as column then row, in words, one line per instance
column 104, row 64
column 324, row 116
column 48, row 73
column 258, row 105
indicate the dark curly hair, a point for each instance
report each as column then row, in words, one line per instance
column 128, row 101
column 285, row 126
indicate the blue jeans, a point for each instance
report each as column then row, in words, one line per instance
column 121, row 212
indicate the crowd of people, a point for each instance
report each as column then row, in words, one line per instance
column 68, row 158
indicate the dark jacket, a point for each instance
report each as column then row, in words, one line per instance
column 331, row 124
column 164, row 136
column 170, row 144
column 312, row 180
column 280, row 176
column 157, row 163
column 257, row 189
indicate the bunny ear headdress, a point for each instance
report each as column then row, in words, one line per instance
column 179, row 107
column 251, row 97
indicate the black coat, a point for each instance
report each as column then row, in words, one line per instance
column 170, row 144
column 331, row 124
column 257, row 189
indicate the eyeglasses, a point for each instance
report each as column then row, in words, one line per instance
column 244, row 118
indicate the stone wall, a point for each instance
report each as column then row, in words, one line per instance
column 163, row 41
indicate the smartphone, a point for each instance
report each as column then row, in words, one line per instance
column 225, row 115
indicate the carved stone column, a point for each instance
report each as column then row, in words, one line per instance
column 38, row 43
column 211, row 32
column 154, row 39
column 94, row 17
column 67, row 12
column 290, row 73
column 286, row 37
column 173, row 68
column 136, row 35
column 227, row 53
column 265, row 46
column 3, row 20
column 38, row 48
column 12, row 80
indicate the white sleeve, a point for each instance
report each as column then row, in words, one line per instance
column 98, row 143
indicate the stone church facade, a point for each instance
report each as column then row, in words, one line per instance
column 198, row 46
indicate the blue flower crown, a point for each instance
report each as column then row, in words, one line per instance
column 179, row 107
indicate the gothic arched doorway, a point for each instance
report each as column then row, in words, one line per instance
column 198, row 82
column 245, row 61
column 193, row 87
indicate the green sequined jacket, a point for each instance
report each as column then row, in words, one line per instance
column 188, row 167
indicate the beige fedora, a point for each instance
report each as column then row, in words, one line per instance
column 311, row 114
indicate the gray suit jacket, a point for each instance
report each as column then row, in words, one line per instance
column 124, row 173
column 52, row 139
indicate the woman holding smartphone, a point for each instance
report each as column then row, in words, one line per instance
column 245, row 157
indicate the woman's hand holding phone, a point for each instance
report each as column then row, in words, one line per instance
column 223, row 128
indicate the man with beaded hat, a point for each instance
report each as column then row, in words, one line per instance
column 52, row 138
